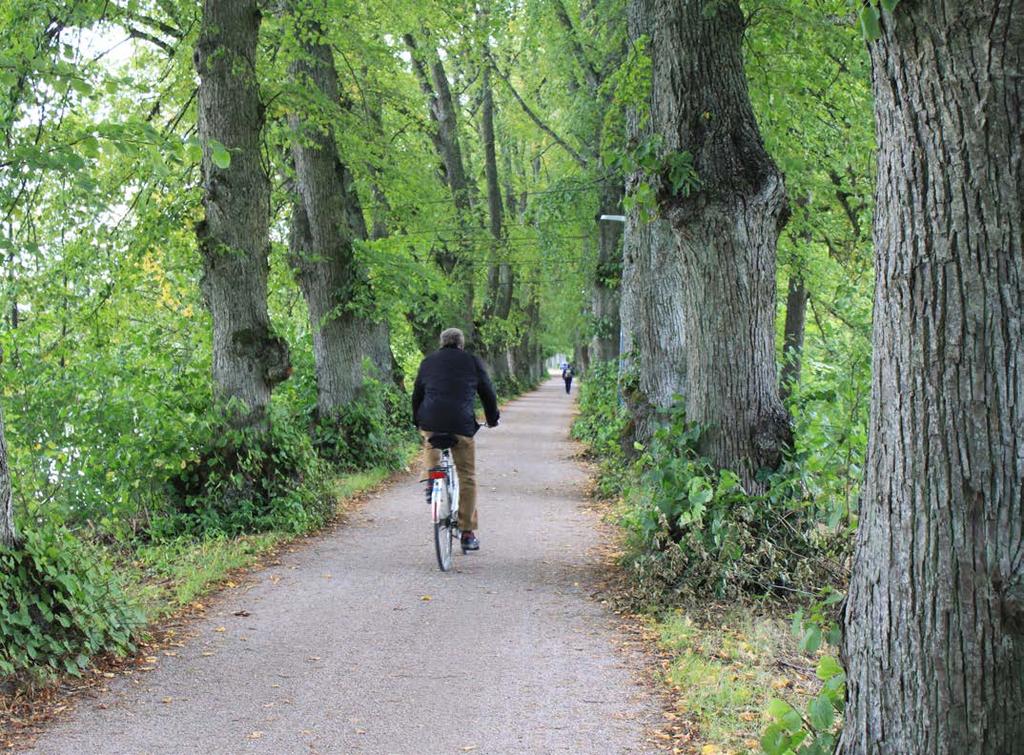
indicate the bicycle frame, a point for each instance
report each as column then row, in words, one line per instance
column 445, row 479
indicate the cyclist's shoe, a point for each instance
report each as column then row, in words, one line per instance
column 470, row 541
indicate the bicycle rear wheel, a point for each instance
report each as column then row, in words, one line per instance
column 444, row 529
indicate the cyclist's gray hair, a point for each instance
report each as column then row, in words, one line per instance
column 453, row 337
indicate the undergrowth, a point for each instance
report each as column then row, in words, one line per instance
column 693, row 533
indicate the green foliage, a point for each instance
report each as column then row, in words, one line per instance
column 694, row 530
column 814, row 732
column 601, row 423
column 248, row 481
column 371, row 432
column 60, row 604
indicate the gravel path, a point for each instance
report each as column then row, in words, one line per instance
column 356, row 643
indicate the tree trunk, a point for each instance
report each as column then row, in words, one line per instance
column 727, row 229
column 608, row 275
column 248, row 358
column 652, row 305
column 445, row 137
column 934, row 623
column 498, row 304
column 793, row 338
column 327, row 219
column 652, row 323
column 8, row 533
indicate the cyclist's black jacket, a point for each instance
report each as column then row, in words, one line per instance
column 442, row 399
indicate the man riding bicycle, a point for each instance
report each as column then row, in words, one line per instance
column 442, row 402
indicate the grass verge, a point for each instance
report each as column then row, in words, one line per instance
column 723, row 666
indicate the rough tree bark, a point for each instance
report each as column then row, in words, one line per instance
column 727, row 230
column 248, row 358
column 327, row 219
column 652, row 303
column 934, row 623
column 793, row 335
column 652, row 322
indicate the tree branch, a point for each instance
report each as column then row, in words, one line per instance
column 580, row 160
column 589, row 72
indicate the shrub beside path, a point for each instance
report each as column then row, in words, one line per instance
column 356, row 643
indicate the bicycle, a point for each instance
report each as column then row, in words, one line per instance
column 443, row 497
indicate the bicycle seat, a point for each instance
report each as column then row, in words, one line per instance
column 441, row 441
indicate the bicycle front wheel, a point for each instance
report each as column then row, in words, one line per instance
column 444, row 527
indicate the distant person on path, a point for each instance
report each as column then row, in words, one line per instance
column 442, row 402
column 567, row 375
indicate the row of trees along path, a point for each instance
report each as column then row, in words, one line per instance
column 935, row 614
column 934, row 637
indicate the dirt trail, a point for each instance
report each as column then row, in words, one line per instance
column 342, row 653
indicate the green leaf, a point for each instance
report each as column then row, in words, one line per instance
column 827, row 668
column 821, row 713
column 219, row 155
column 90, row 146
column 777, row 709
column 81, row 86
column 811, row 640
column 869, row 23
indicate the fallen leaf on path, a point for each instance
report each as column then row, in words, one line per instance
column 167, row 700
column 426, row 597
column 256, row 735
column 243, row 613
column 468, row 748
column 220, row 629
column 230, row 585
column 275, row 578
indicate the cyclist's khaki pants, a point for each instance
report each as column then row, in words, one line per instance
column 464, row 455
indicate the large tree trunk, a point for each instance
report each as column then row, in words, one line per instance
column 934, row 624
column 652, row 302
column 652, row 323
column 608, row 275
column 248, row 358
column 727, row 229
column 327, row 219
column 793, row 335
